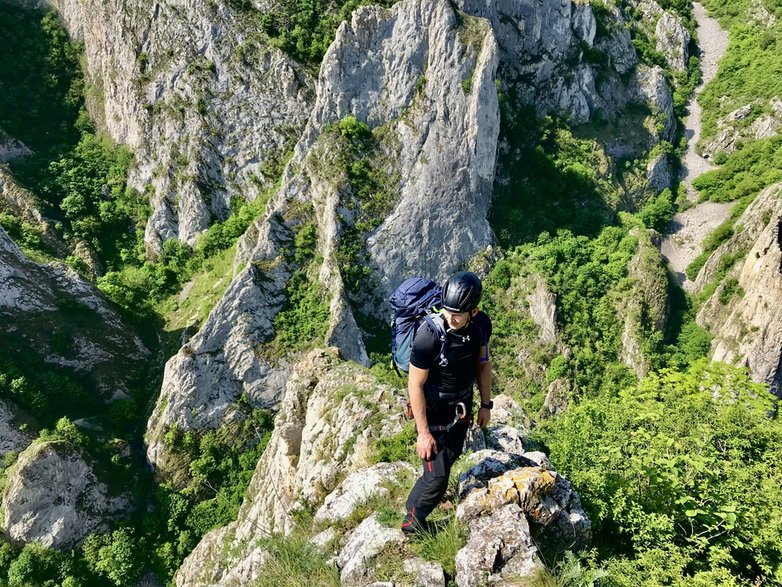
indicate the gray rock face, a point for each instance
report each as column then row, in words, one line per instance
column 498, row 546
column 447, row 137
column 672, row 41
column 11, row 148
column 441, row 137
column 52, row 496
column 543, row 311
column 358, row 487
column 330, row 412
column 364, row 543
column 203, row 381
column 747, row 325
column 534, row 39
column 207, row 108
column 56, row 315
column 659, row 171
column 510, row 513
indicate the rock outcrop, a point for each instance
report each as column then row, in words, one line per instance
column 515, row 510
column 11, row 148
column 643, row 308
column 753, row 121
column 331, row 411
column 53, row 496
column 55, row 315
column 745, row 311
column 208, row 107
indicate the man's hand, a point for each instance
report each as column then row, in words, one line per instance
column 426, row 445
column 484, row 415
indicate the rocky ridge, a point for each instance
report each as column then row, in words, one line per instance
column 324, row 433
column 428, row 128
column 330, row 412
column 744, row 311
column 209, row 109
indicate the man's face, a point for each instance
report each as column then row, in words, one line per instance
column 458, row 320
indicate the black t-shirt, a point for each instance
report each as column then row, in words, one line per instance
column 458, row 376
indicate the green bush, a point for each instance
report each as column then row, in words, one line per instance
column 658, row 211
column 684, row 462
column 745, row 172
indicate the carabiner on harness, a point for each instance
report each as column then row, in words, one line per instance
column 460, row 413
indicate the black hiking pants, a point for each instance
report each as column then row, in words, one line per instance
column 430, row 488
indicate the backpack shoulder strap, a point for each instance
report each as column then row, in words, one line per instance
column 436, row 324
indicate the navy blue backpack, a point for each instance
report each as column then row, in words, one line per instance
column 413, row 302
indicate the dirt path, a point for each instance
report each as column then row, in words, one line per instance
column 688, row 229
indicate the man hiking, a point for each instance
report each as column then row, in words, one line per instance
column 441, row 390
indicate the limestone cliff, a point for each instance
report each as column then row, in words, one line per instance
column 207, row 106
column 51, row 313
column 331, row 411
column 745, row 311
column 53, row 496
column 431, row 125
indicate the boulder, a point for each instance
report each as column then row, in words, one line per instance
column 53, row 496
column 511, row 512
column 368, row 540
column 358, row 487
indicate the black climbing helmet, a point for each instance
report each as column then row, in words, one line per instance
column 462, row 292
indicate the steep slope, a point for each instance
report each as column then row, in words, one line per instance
column 209, row 109
column 386, row 134
column 51, row 314
column 744, row 312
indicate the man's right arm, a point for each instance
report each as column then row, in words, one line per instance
column 426, row 446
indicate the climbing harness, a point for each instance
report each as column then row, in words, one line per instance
column 459, row 415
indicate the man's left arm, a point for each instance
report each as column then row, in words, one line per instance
column 484, row 385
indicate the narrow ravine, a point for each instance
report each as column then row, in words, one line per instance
column 688, row 229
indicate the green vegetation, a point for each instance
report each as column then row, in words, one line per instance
column 744, row 173
column 587, row 276
column 294, row 562
column 554, row 181
column 679, row 474
column 749, row 71
column 214, row 469
column 39, row 105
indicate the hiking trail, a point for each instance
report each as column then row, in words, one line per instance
column 687, row 229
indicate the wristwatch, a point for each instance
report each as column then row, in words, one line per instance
column 488, row 406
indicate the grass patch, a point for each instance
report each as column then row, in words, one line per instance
column 443, row 546
column 182, row 311
column 295, row 562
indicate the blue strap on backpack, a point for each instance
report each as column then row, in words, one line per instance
column 414, row 302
